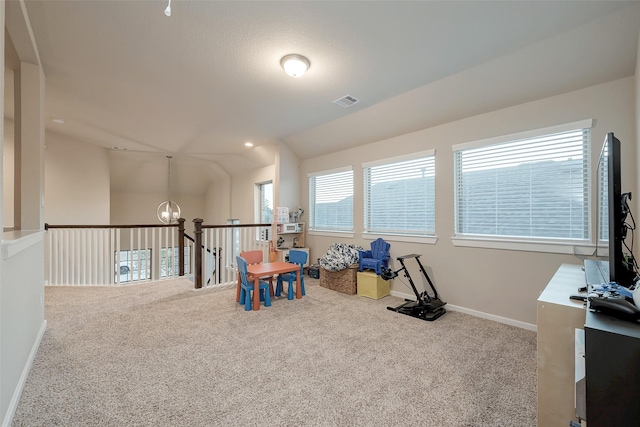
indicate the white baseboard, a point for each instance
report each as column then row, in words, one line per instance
column 481, row 314
column 13, row 405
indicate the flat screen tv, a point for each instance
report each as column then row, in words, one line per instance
column 612, row 212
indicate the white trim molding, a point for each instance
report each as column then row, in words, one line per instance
column 567, row 248
column 15, row 398
column 14, row 242
column 427, row 240
column 346, row 234
column 399, row 159
column 476, row 313
column 582, row 124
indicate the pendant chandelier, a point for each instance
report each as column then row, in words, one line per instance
column 168, row 212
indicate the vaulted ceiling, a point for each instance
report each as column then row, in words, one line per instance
column 199, row 84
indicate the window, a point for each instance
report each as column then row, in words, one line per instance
column 399, row 195
column 532, row 187
column 170, row 261
column 265, row 194
column 133, row 265
column 331, row 200
column 603, row 198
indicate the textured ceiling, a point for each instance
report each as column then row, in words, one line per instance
column 200, row 83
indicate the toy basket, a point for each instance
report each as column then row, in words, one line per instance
column 344, row 281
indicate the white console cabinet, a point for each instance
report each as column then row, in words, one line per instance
column 558, row 318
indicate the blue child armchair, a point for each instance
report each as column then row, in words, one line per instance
column 377, row 258
column 295, row 257
column 246, row 287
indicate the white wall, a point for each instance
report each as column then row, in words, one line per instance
column 243, row 201
column 287, row 186
column 76, row 182
column 8, row 169
column 217, row 202
column 140, row 208
column 498, row 282
column 22, row 321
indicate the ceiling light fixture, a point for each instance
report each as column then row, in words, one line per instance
column 167, row 11
column 295, row 65
column 58, row 121
column 168, row 212
column 248, row 144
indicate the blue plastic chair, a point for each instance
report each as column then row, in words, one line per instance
column 246, row 287
column 295, row 257
column 377, row 258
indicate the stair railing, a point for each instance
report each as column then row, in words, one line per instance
column 229, row 240
column 85, row 255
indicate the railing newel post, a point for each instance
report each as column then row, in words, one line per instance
column 197, row 236
column 181, row 246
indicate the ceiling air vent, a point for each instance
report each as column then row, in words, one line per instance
column 346, row 101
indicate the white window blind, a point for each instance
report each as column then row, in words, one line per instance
column 603, row 196
column 331, row 201
column 537, row 187
column 399, row 197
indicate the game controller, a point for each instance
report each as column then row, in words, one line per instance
column 612, row 287
column 613, row 304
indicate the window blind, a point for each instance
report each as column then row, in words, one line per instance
column 400, row 197
column 331, row 201
column 603, row 197
column 536, row 187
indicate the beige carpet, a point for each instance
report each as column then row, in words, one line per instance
column 162, row 354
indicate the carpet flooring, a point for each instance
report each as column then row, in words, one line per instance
column 163, row 354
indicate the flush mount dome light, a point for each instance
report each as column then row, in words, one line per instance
column 295, row 65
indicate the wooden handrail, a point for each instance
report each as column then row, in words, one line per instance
column 48, row 226
column 236, row 225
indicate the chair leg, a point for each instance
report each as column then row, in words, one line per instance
column 242, row 296
column 247, row 301
column 279, row 286
column 302, row 285
column 267, row 298
column 290, row 292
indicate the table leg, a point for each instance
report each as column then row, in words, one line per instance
column 298, row 285
column 256, row 294
column 238, row 288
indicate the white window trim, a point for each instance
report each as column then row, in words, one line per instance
column 347, row 234
column 332, row 233
column 330, row 171
column 582, row 124
column 398, row 159
column 580, row 247
column 428, row 240
column 563, row 246
column 393, row 237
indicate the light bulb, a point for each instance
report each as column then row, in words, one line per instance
column 167, row 11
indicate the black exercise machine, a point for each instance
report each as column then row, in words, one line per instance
column 425, row 307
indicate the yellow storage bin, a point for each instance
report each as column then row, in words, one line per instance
column 372, row 286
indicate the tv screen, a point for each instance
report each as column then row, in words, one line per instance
column 612, row 213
